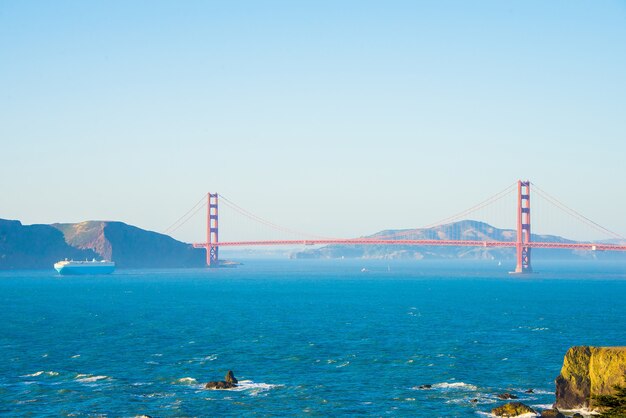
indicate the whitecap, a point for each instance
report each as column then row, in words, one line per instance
column 347, row 363
column 253, row 387
column 75, row 356
column 542, row 392
column 186, row 381
column 89, row 378
column 39, row 373
column 542, row 406
column 454, row 385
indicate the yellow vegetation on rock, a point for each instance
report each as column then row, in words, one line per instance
column 588, row 372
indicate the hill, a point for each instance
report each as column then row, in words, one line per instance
column 35, row 246
column 40, row 246
column 130, row 246
column 465, row 230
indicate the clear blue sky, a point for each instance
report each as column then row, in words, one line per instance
column 338, row 117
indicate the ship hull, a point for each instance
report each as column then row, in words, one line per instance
column 83, row 268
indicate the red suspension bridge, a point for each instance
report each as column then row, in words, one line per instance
column 522, row 244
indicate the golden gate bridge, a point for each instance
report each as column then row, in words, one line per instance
column 522, row 243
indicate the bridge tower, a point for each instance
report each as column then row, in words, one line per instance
column 523, row 228
column 212, row 250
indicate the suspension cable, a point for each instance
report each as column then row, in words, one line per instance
column 187, row 216
column 265, row 222
column 557, row 203
column 494, row 198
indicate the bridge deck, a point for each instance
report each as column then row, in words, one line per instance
column 446, row 243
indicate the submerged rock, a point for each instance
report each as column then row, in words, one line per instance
column 589, row 372
column 422, row 387
column 512, row 409
column 529, row 391
column 506, row 395
column 229, row 382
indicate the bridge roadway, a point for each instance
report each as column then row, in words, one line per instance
column 423, row 242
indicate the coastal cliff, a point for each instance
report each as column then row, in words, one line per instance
column 34, row 246
column 40, row 246
column 589, row 372
column 131, row 247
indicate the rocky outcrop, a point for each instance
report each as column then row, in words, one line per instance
column 131, row 247
column 512, row 409
column 40, row 246
column 552, row 413
column 229, row 382
column 589, row 372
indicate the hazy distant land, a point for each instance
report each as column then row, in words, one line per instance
column 40, row 246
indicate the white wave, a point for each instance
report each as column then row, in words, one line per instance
column 582, row 411
column 540, row 329
column 542, row 392
column 527, row 415
column 454, row 385
column 210, row 357
column 542, row 406
column 253, row 388
column 347, row 363
column 75, row 356
column 186, row 381
column 89, row 378
column 39, row 373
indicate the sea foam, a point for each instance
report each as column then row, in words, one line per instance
column 89, row 378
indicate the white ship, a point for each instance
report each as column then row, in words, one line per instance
column 84, row 267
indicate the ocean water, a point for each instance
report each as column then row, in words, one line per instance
column 305, row 337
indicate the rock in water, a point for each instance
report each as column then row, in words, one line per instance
column 230, row 377
column 588, row 372
column 230, row 382
column 219, row 385
column 506, row 396
column 512, row 409
column 551, row 413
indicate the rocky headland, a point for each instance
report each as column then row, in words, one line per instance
column 40, row 246
column 592, row 380
column 589, row 373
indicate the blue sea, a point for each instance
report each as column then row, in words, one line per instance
column 304, row 337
